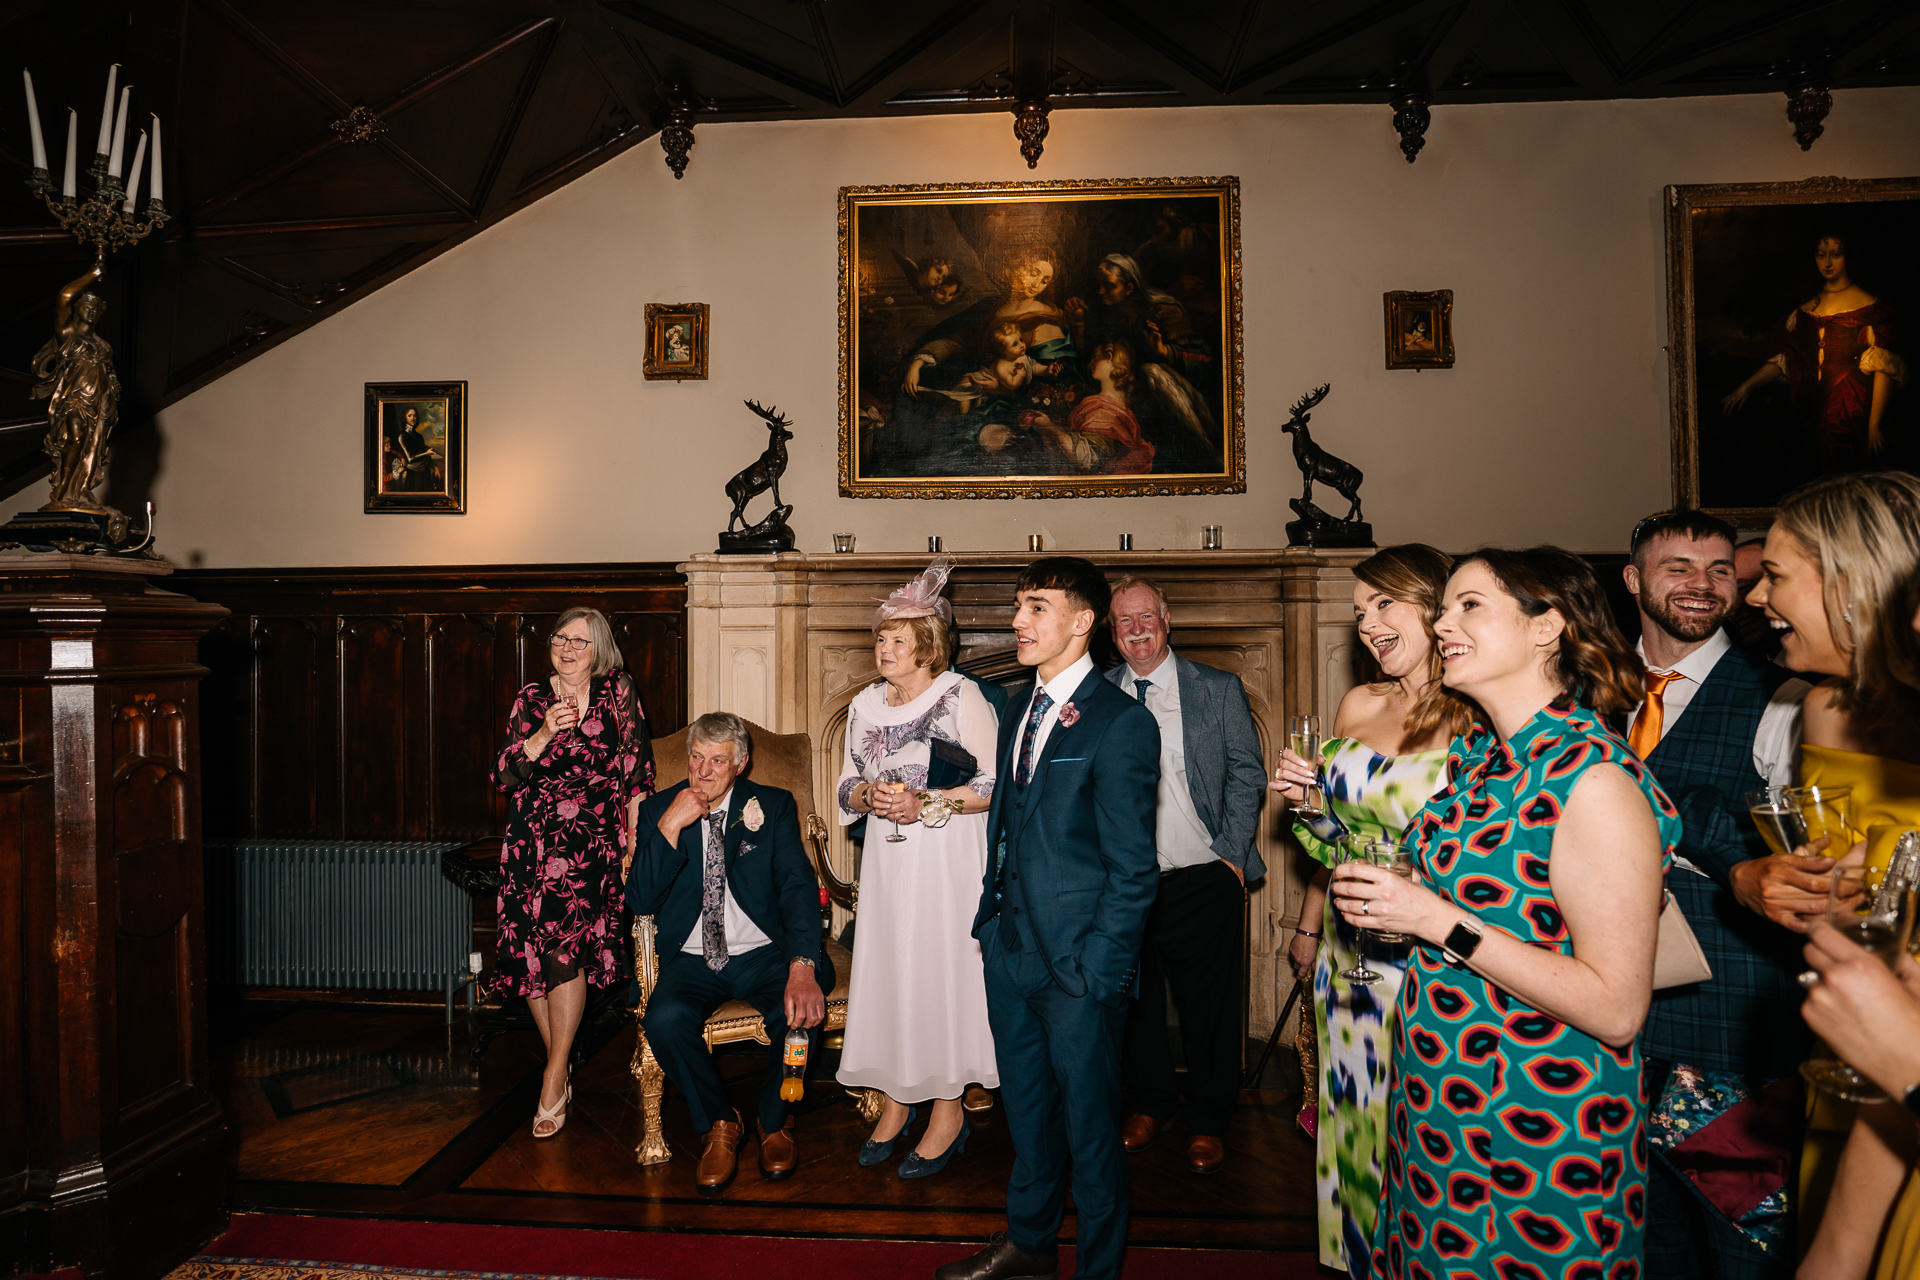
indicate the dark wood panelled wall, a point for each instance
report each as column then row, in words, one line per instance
column 368, row 704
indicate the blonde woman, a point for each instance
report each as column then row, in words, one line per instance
column 1840, row 560
column 576, row 763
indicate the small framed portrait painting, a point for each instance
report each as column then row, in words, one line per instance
column 417, row 447
column 676, row 341
column 1420, row 329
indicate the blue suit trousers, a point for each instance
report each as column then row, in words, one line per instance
column 1059, row 1059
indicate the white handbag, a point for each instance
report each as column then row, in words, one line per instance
column 1677, row 957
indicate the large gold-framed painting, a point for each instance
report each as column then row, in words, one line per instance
column 1055, row 340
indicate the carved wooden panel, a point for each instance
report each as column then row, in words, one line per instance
column 370, row 703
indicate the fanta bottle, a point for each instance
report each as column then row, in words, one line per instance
column 793, row 1065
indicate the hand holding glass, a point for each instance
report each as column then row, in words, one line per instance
column 1303, row 735
column 1360, row 849
column 895, row 786
column 1872, row 908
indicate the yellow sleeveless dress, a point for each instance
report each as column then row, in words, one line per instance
column 1886, row 802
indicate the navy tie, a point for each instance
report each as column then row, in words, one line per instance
column 1041, row 704
column 1143, row 686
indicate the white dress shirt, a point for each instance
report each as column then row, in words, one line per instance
column 1178, row 834
column 1061, row 689
column 742, row 933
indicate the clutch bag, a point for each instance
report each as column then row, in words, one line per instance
column 951, row 765
column 1677, row 957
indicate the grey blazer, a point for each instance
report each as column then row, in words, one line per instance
column 1225, row 775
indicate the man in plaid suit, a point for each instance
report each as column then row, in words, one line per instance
column 1722, row 1055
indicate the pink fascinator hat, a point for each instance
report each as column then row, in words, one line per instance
column 920, row 598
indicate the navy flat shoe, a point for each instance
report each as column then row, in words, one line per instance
column 873, row 1153
column 914, row 1166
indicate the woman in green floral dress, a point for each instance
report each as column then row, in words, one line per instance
column 1388, row 753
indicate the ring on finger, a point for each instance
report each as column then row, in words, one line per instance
column 1366, row 908
column 1810, row 979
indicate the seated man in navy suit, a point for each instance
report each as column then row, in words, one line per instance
column 1070, row 879
column 721, row 868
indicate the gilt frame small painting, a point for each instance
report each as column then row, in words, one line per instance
column 1419, row 329
column 416, row 447
column 676, row 342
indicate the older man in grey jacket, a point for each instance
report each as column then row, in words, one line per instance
column 1212, row 782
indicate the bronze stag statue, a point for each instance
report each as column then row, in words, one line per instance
column 771, row 534
column 1317, row 528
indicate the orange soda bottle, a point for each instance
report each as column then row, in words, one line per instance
column 793, row 1065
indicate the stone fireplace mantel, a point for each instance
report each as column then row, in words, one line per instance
column 786, row 641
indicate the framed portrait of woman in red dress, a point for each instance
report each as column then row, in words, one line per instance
column 1057, row 339
column 1791, row 310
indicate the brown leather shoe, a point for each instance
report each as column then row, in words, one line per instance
column 1000, row 1260
column 1206, row 1154
column 777, row 1153
column 976, row 1098
column 1138, row 1131
column 719, row 1158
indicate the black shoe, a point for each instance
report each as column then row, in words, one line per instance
column 1002, row 1258
column 873, row 1153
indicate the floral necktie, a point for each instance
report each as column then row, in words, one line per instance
column 713, row 894
column 1041, row 704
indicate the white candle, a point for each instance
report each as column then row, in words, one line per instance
column 119, row 134
column 133, row 177
column 67, row 187
column 158, row 194
column 106, row 113
column 33, row 123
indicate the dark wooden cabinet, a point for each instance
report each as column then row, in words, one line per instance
column 368, row 704
column 111, row 1142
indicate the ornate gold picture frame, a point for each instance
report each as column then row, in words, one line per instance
column 1419, row 329
column 676, row 342
column 1787, row 358
column 416, row 445
column 1051, row 340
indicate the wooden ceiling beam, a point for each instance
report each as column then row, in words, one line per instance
column 217, row 277
column 1874, row 38
column 1572, row 40
column 629, row 77
column 734, row 62
column 1309, row 55
column 1731, row 44
column 1132, row 41
column 239, row 239
column 1473, row 22
column 956, row 25
column 490, row 186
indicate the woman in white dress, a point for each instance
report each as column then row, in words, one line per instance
column 917, row 1004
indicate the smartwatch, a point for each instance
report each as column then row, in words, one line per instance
column 1463, row 941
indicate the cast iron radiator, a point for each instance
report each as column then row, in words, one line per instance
column 336, row 913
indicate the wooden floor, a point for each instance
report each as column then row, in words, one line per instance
column 346, row 1109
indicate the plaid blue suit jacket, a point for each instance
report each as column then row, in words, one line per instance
column 1747, row 1017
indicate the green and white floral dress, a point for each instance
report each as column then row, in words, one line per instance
column 1374, row 795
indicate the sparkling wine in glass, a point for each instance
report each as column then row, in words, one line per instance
column 895, row 784
column 1872, row 907
column 1358, row 849
column 1303, row 735
column 1827, row 813
column 1777, row 813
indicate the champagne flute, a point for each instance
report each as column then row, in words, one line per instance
column 896, row 784
column 1358, row 849
column 1303, row 735
column 1776, row 811
column 1872, row 907
column 1827, row 813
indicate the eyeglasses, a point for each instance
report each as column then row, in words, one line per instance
column 572, row 644
column 1640, row 530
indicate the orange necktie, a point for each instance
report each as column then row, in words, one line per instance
column 1646, row 730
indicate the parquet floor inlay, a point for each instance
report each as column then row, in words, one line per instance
column 343, row 1109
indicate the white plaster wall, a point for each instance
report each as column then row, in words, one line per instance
column 1545, row 221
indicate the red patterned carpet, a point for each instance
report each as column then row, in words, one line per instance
column 286, row 1247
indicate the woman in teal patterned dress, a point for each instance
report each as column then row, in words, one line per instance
column 1387, row 755
column 1516, row 1145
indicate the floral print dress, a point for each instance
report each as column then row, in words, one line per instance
column 1517, row 1144
column 1368, row 794
column 560, row 893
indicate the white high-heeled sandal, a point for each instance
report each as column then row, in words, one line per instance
column 557, row 1116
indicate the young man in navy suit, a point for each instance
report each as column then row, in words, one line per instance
column 1071, row 874
column 737, row 908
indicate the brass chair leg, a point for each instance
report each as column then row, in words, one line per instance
column 653, row 1084
column 869, row 1103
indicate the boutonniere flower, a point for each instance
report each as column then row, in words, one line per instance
column 751, row 815
column 1069, row 716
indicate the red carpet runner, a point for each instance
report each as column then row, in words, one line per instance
column 277, row 1247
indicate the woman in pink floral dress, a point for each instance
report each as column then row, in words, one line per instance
column 577, row 761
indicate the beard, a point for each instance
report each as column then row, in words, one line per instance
column 1690, row 627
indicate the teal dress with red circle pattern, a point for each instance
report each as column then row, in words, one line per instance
column 1516, row 1145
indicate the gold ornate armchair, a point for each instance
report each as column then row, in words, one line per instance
column 783, row 760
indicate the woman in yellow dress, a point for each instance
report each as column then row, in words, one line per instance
column 1838, row 562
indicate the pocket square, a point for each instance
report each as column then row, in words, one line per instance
column 1071, row 759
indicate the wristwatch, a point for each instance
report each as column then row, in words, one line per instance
column 1464, row 939
column 801, row 960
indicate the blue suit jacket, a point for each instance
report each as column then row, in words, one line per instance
column 1746, row 1017
column 1225, row 774
column 767, row 870
column 1081, row 867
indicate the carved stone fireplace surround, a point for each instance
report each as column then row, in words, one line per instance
column 786, row 642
